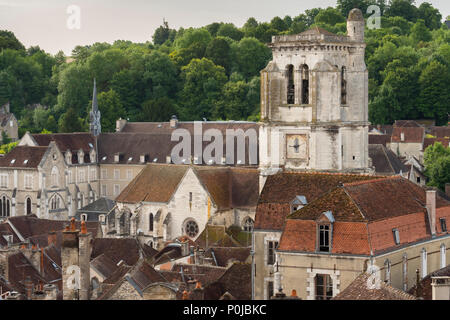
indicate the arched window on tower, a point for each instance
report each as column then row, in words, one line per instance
column 28, row 206
column 150, row 222
column 5, row 206
column 305, row 84
column 290, row 84
column 344, row 85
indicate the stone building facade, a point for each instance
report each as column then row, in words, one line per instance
column 8, row 123
column 314, row 101
column 167, row 201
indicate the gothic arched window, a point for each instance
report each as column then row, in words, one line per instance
column 305, row 84
column 28, row 206
column 343, row 86
column 150, row 222
column 5, row 206
column 290, row 84
column 55, row 202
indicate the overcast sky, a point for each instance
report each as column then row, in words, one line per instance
column 44, row 22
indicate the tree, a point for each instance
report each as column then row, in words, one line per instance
column 402, row 8
column 111, row 109
column 419, row 32
column 5, row 138
column 230, row 30
column 9, row 41
column 437, row 165
column 329, row 16
column 69, row 122
column 162, row 33
column 345, row 6
column 252, row 56
column 219, row 52
column 278, row 24
column 202, row 86
column 155, row 110
column 434, row 94
column 430, row 15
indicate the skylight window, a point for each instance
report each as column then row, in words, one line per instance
column 12, row 161
column 90, row 145
column 25, row 161
column 130, row 158
column 396, row 235
column 156, row 159
column 104, row 158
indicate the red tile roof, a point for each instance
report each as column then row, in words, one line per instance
column 411, row 134
column 358, row 290
column 23, row 157
column 431, row 141
column 280, row 189
column 365, row 214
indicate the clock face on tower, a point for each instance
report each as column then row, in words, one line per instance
column 296, row 146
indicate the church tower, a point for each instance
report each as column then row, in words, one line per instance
column 95, row 126
column 314, row 102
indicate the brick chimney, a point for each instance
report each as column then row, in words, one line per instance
column 28, row 284
column 120, row 124
column 75, row 258
column 174, row 122
column 447, row 189
column 51, row 238
column 431, row 210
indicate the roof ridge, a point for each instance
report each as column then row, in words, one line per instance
column 331, row 173
column 372, row 181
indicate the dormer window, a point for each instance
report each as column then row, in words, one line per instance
column 298, row 203
column 396, row 234
column 92, row 156
column 68, row 157
column 80, row 156
column 118, row 157
column 325, row 231
column 402, row 136
column 324, row 238
column 443, row 223
column 143, row 158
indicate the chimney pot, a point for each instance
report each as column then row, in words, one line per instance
column 198, row 285
column 72, row 224
column 431, row 209
column 83, row 227
column 294, row 293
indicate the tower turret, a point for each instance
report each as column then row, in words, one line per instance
column 355, row 25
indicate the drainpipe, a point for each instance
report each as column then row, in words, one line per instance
column 252, row 253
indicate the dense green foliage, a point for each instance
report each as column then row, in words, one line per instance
column 213, row 72
column 437, row 165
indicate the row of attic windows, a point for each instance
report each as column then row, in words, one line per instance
column 304, row 71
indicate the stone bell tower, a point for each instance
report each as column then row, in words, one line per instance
column 314, row 101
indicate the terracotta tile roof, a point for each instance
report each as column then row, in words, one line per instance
column 358, row 290
column 384, row 129
column 37, row 229
column 406, row 123
column 155, row 183
column 379, row 139
column 117, row 249
column 154, row 139
column 118, row 274
column 6, row 230
column 203, row 273
column 144, row 275
column 317, row 31
column 425, row 291
column 440, row 132
column 104, row 265
column 23, row 157
column 67, row 141
column 411, row 134
column 431, row 141
column 365, row 214
column 280, row 189
column 228, row 187
column 225, row 255
column 217, row 237
column 236, row 280
column 19, row 269
column 385, row 161
column 390, row 197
